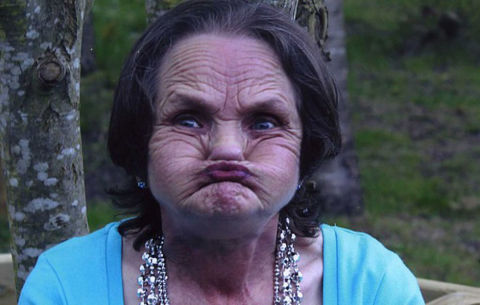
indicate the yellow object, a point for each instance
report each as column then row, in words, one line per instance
column 7, row 284
column 442, row 293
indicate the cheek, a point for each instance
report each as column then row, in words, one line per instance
column 278, row 159
column 282, row 150
column 172, row 157
column 275, row 149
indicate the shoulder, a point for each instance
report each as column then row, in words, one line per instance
column 356, row 247
column 65, row 271
column 83, row 255
column 365, row 270
column 81, row 248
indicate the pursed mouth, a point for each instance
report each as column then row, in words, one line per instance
column 227, row 172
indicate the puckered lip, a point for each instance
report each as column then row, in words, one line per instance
column 227, row 171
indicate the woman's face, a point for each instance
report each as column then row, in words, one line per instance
column 226, row 141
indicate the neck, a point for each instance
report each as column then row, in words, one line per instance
column 235, row 268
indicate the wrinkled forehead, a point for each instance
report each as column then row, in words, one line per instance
column 222, row 64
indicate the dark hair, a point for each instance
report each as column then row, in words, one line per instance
column 133, row 109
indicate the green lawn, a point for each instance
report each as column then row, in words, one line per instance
column 416, row 115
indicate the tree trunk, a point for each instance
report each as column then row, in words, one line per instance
column 3, row 193
column 338, row 185
column 156, row 8
column 40, row 43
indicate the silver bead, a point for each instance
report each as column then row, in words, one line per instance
column 296, row 257
column 299, row 296
column 286, row 287
column 299, row 276
column 286, row 281
column 152, row 261
column 151, row 280
column 151, row 299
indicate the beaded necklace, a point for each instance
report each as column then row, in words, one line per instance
column 286, row 276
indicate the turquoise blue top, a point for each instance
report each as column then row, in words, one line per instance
column 358, row 270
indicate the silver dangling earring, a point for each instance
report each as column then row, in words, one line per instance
column 300, row 184
column 141, row 184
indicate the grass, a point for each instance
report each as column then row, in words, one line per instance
column 416, row 117
column 430, row 245
column 100, row 213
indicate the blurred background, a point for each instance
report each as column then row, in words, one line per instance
column 414, row 101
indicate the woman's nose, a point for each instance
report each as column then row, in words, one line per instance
column 227, row 143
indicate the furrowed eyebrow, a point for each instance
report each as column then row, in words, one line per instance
column 272, row 105
column 183, row 101
column 190, row 102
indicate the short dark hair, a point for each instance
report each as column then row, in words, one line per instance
column 133, row 109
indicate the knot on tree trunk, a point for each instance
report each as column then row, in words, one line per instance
column 50, row 71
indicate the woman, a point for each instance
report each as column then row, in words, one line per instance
column 222, row 109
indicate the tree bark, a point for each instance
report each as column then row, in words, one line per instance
column 3, row 193
column 338, row 184
column 40, row 145
column 156, row 8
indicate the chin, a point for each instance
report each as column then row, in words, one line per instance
column 225, row 199
column 222, row 210
column 225, row 225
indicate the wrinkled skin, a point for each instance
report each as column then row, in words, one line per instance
column 223, row 160
column 224, row 100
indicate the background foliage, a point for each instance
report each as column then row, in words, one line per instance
column 414, row 92
column 414, row 96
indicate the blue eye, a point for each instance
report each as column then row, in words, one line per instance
column 188, row 121
column 263, row 124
